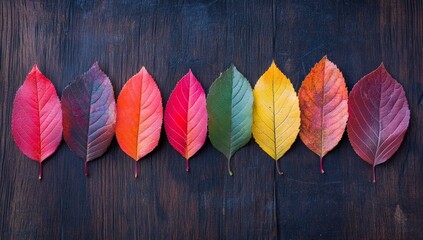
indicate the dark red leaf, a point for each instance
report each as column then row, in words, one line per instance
column 89, row 114
column 379, row 117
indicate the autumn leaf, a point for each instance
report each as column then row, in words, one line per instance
column 186, row 117
column 229, row 106
column 139, row 116
column 37, row 118
column 89, row 114
column 276, row 113
column 324, row 111
column 379, row 117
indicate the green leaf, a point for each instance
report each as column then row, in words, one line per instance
column 230, row 110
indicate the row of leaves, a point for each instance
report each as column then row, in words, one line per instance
column 377, row 112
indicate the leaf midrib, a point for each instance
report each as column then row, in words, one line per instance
column 138, row 119
column 322, row 110
column 230, row 119
column 187, row 118
column 38, row 117
column 379, row 123
column 90, row 107
column 274, row 115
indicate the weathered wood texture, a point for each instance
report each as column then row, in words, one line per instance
column 168, row 37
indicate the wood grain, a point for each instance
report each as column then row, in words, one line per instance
column 168, row 37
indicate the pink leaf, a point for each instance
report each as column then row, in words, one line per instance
column 186, row 117
column 37, row 117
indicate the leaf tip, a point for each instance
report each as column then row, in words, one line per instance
column 190, row 74
column 35, row 68
column 232, row 66
column 142, row 71
column 95, row 67
column 273, row 65
column 382, row 67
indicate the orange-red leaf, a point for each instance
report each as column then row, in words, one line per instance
column 186, row 117
column 139, row 116
column 324, row 111
column 37, row 117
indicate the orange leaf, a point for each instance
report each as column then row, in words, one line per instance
column 139, row 116
column 324, row 111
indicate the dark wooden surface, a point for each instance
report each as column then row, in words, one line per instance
column 165, row 202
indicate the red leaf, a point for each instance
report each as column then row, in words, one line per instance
column 186, row 117
column 37, row 117
column 139, row 116
column 379, row 117
column 89, row 114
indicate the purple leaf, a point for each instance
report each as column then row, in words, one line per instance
column 89, row 114
column 379, row 117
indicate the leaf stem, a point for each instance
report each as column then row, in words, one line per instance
column 136, row 169
column 374, row 174
column 277, row 168
column 321, row 165
column 86, row 168
column 40, row 176
column 186, row 165
column 229, row 167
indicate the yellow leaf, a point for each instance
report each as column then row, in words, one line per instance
column 276, row 113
